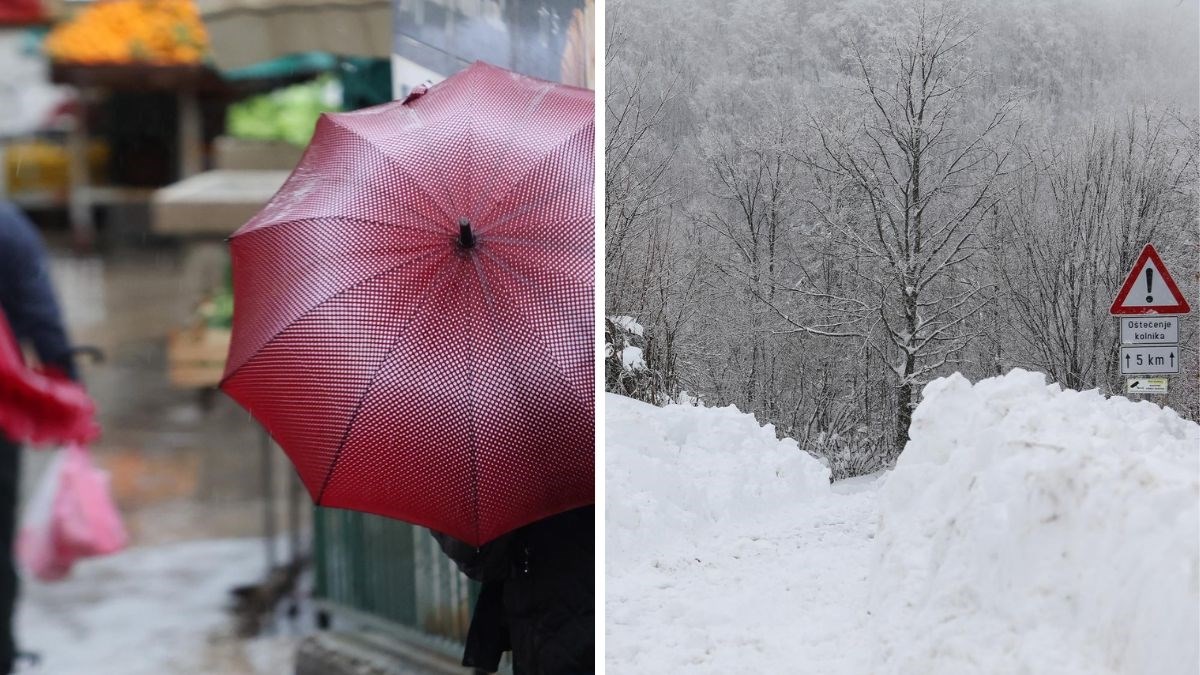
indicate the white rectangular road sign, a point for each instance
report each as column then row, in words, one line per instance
column 1146, row 385
column 1146, row 360
column 1149, row 330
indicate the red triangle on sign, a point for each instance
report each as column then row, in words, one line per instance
column 1149, row 289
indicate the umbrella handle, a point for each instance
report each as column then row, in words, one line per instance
column 466, row 238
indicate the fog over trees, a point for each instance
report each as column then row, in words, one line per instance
column 815, row 207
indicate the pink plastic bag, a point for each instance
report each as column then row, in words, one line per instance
column 71, row 516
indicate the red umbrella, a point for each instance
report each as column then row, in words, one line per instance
column 414, row 318
column 40, row 406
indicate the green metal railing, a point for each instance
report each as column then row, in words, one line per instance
column 394, row 573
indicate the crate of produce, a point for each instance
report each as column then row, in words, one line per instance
column 156, row 32
column 196, row 356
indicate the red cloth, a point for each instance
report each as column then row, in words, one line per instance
column 21, row 11
column 40, row 406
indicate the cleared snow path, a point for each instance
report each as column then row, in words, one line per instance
column 786, row 590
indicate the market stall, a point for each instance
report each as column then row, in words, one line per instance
column 147, row 72
column 183, row 83
column 174, row 121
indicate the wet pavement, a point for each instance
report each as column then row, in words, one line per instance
column 151, row 610
column 186, row 467
column 184, row 464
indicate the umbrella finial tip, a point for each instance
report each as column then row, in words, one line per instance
column 466, row 238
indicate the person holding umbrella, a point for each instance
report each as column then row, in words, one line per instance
column 538, row 595
column 414, row 324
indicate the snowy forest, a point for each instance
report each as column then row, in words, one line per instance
column 815, row 207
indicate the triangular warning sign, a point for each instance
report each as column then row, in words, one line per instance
column 1149, row 288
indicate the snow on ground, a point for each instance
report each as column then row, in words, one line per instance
column 726, row 549
column 150, row 610
column 1028, row 529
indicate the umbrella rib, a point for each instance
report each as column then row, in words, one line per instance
column 549, row 357
column 375, row 378
column 530, row 282
column 530, row 206
column 391, row 161
column 310, row 310
column 555, row 273
column 536, row 243
column 583, row 256
column 505, row 338
column 499, row 332
column 470, row 168
column 519, row 242
column 340, row 219
column 471, row 416
column 531, row 107
column 520, row 182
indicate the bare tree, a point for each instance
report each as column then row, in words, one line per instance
column 645, row 276
column 753, row 177
column 635, row 107
column 1084, row 209
column 815, row 207
column 902, row 188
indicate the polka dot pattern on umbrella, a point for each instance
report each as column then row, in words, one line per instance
column 403, row 372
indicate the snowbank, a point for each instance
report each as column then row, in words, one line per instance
column 727, row 549
column 672, row 471
column 1027, row 529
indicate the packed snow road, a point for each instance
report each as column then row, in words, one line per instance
column 727, row 549
column 788, row 588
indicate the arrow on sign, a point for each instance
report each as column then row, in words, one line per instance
column 1141, row 360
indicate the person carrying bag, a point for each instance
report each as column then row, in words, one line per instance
column 35, row 405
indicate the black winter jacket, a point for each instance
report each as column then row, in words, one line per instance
column 538, row 596
column 26, row 296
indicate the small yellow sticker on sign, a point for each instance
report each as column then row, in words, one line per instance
column 1146, row 385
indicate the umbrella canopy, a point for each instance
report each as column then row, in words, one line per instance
column 414, row 317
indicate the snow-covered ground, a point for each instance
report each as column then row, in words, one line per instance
column 150, row 610
column 726, row 549
column 1025, row 530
